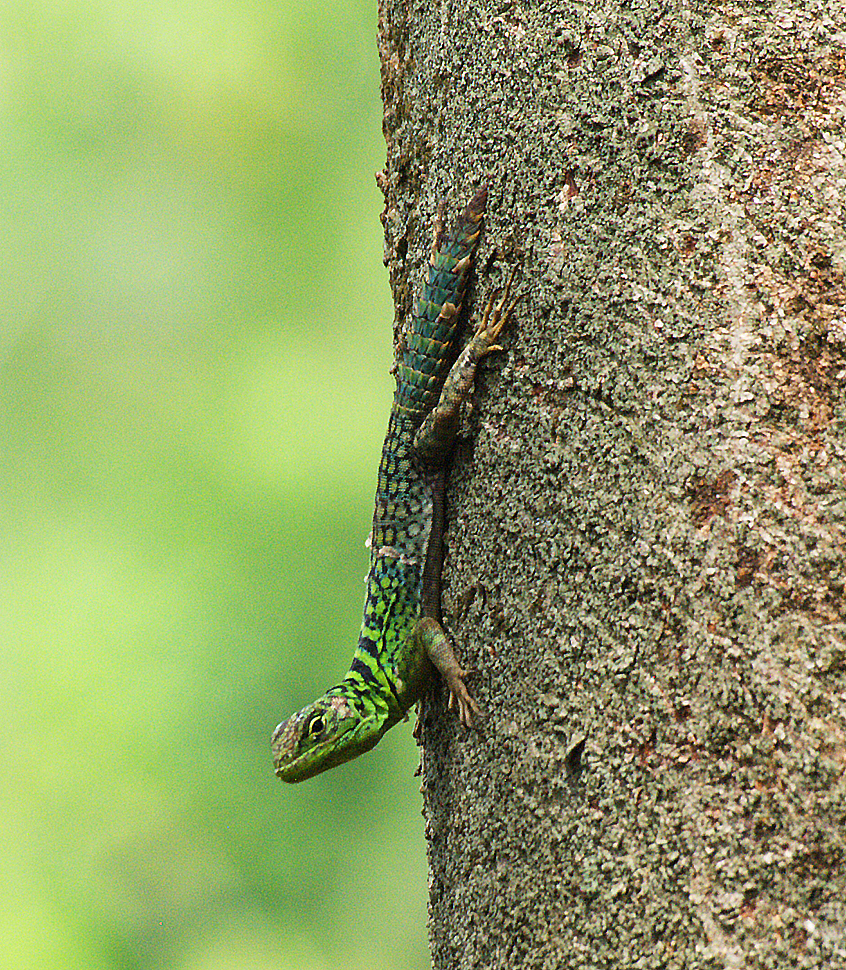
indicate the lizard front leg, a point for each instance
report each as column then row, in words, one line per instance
column 431, row 637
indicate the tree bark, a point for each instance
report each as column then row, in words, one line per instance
column 646, row 536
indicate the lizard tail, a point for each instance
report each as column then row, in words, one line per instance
column 429, row 347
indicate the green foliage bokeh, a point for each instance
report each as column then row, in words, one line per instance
column 196, row 332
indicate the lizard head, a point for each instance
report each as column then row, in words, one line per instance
column 326, row 733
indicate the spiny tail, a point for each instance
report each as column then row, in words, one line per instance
column 428, row 350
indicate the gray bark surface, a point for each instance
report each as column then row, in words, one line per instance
column 646, row 540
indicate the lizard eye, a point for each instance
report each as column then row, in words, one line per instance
column 315, row 725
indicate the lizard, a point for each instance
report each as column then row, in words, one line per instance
column 402, row 638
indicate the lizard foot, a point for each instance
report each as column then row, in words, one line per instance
column 495, row 318
column 460, row 699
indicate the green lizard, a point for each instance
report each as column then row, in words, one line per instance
column 401, row 635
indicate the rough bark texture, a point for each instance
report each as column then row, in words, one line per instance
column 646, row 548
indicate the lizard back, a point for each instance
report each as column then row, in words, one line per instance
column 402, row 514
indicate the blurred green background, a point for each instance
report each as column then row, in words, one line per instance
column 196, row 332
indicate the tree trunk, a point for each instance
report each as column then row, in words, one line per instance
column 645, row 546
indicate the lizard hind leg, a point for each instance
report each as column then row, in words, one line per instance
column 436, row 434
column 431, row 636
